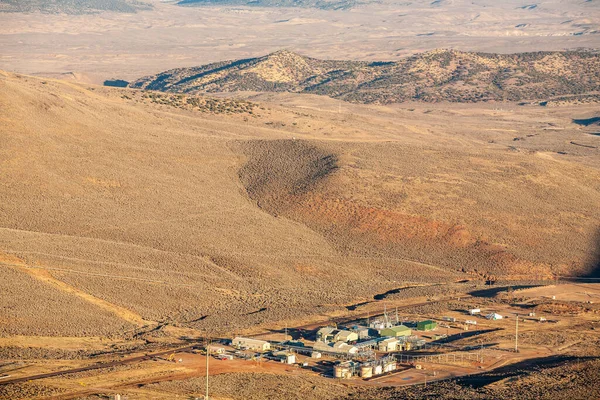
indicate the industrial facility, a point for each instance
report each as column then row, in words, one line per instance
column 368, row 349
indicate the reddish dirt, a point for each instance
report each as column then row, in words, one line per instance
column 382, row 229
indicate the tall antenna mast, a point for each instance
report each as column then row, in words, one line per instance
column 385, row 316
column 397, row 320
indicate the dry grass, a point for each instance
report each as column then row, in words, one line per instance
column 30, row 307
column 202, row 219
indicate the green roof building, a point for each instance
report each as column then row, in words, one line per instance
column 427, row 325
column 395, row 331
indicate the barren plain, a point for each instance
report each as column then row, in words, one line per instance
column 96, row 47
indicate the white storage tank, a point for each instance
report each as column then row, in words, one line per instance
column 366, row 371
column 378, row 370
column 389, row 366
column 342, row 371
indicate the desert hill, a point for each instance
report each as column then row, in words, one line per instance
column 149, row 208
column 442, row 75
column 73, row 6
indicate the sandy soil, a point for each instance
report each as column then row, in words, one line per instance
column 579, row 292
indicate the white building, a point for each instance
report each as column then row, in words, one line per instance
column 345, row 336
column 380, row 325
column 338, row 347
column 331, row 334
column 251, row 344
column 342, row 347
column 388, row 345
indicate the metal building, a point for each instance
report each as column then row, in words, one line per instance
column 251, row 344
column 426, row 325
column 396, row 331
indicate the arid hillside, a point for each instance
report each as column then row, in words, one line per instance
column 154, row 209
column 435, row 76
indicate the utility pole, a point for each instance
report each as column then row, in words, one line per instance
column 207, row 356
column 517, row 334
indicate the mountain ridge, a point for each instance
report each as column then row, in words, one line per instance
column 438, row 75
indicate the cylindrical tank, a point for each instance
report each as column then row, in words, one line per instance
column 389, row 367
column 366, row 371
column 342, row 371
column 337, row 371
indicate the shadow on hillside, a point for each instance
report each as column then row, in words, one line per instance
column 587, row 121
column 594, row 263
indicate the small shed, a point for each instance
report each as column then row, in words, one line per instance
column 427, row 325
column 285, row 357
column 494, row 316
